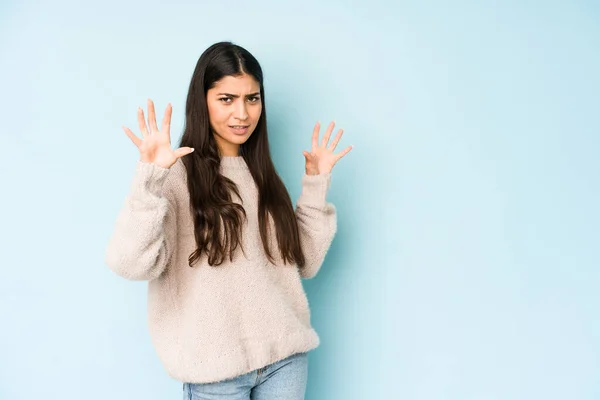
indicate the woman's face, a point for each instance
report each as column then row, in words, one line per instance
column 234, row 107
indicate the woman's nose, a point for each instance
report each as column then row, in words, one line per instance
column 241, row 112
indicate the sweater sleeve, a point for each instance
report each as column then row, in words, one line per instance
column 142, row 242
column 317, row 222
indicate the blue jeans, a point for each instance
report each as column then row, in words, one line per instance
column 282, row 380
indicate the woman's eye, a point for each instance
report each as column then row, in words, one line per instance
column 228, row 100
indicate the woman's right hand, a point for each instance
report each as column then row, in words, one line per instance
column 156, row 145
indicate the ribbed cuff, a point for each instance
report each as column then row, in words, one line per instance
column 149, row 177
column 314, row 189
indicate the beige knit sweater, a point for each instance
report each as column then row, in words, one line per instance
column 213, row 323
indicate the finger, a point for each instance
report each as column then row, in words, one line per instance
column 315, row 136
column 152, row 117
column 327, row 134
column 183, row 151
column 343, row 153
column 336, row 140
column 142, row 122
column 166, row 122
column 137, row 141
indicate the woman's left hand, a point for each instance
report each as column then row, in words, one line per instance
column 321, row 159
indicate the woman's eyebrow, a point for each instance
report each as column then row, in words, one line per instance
column 236, row 95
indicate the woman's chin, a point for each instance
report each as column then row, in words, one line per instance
column 230, row 138
column 239, row 139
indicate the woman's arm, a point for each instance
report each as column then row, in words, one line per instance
column 317, row 219
column 317, row 222
column 144, row 236
column 143, row 241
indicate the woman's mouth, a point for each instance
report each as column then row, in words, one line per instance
column 239, row 129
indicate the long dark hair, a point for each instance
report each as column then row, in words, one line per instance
column 217, row 219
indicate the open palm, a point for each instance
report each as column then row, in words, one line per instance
column 321, row 159
column 156, row 144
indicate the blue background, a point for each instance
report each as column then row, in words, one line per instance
column 467, row 260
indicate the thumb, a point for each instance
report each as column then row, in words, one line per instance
column 183, row 151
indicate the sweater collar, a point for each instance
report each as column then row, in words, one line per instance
column 233, row 162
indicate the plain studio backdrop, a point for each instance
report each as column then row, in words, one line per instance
column 466, row 265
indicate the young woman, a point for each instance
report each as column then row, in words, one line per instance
column 211, row 226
